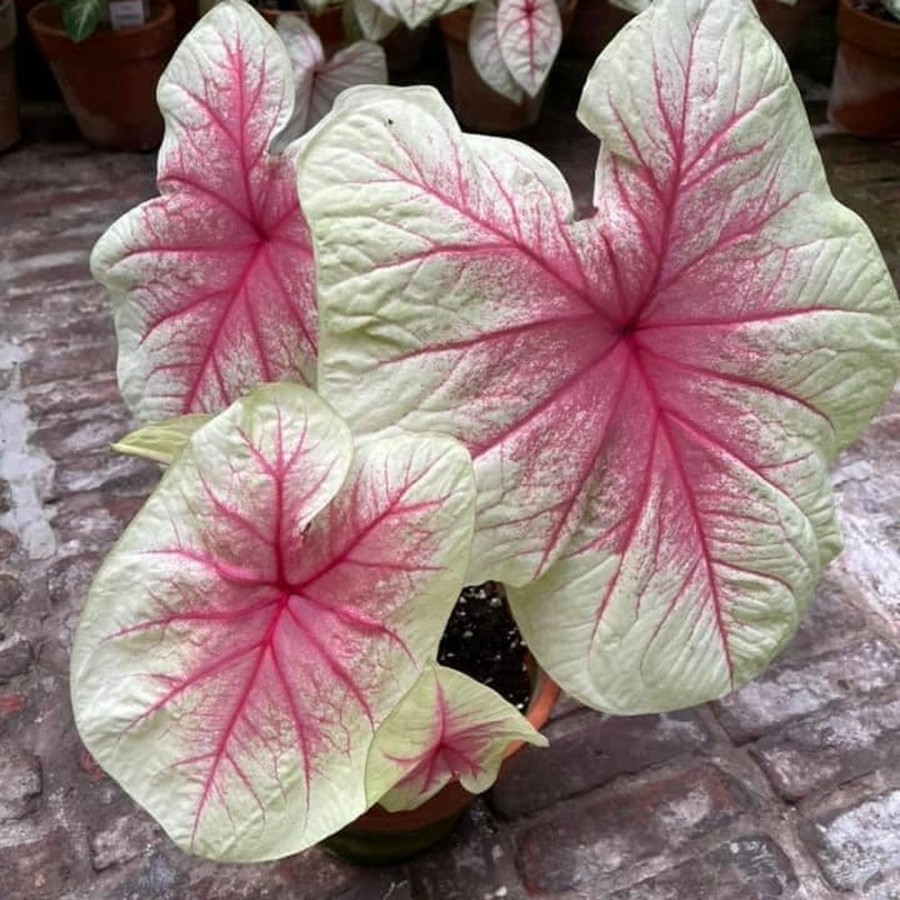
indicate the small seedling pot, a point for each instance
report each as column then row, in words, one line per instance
column 379, row 837
column 9, row 100
column 109, row 80
column 865, row 91
column 478, row 106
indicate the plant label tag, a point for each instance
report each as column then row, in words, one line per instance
column 127, row 13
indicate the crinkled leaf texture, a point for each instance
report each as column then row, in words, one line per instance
column 652, row 395
column 264, row 612
column 448, row 727
column 212, row 282
column 317, row 81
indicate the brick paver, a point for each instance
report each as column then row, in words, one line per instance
column 789, row 788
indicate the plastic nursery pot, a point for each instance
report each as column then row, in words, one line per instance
column 865, row 91
column 379, row 837
column 109, row 80
column 477, row 106
column 9, row 101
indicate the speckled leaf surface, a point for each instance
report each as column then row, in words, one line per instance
column 447, row 727
column 652, row 395
column 212, row 282
column 267, row 608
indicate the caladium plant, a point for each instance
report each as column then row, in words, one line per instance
column 628, row 419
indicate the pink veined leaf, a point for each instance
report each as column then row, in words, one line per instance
column 319, row 81
column 212, row 282
column 652, row 395
column 484, row 52
column 263, row 613
column 448, row 727
column 529, row 34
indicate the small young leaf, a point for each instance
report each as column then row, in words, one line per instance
column 81, row 17
column 374, row 22
column 161, row 441
column 447, row 727
column 484, row 51
column 529, row 32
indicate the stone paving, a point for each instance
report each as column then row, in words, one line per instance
column 789, row 788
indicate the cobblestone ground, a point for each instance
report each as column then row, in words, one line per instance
column 790, row 788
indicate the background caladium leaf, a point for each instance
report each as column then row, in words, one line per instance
column 263, row 613
column 484, row 52
column 212, row 282
column 530, row 32
column 318, row 81
column 448, row 726
column 652, row 395
column 374, row 22
column 161, row 441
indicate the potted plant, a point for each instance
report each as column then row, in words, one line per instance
column 107, row 76
column 865, row 90
column 9, row 100
column 628, row 420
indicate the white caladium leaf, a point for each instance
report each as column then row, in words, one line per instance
column 263, row 613
column 317, row 81
column 374, row 23
column 484, row 52
column 529, row 32
column 161, row 441
column 447, row 727
column 212, row 282
column 414, row 13
column 652, row 395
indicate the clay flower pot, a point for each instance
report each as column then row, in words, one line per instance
column 380, row 837
column 109, row 80
column 865, row 92
column 9, row 101
column 477, row 106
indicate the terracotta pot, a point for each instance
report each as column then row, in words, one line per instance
column 595, row 24
column 328, row 25
column 865, row 92
column 787, row 23
column 109, row 80
column 9, row 99
column 477, row 106
column 383, row 837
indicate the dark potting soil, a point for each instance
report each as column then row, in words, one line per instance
column 482, row 641
column 875, row 8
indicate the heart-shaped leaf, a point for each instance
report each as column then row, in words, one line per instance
column 652, row 395
column 212, row 282
column 261, row 616
column 529, row 33
column 484, row 51
column 374, row 22
column 447, row 727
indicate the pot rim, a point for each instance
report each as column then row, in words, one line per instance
column 868, row 32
